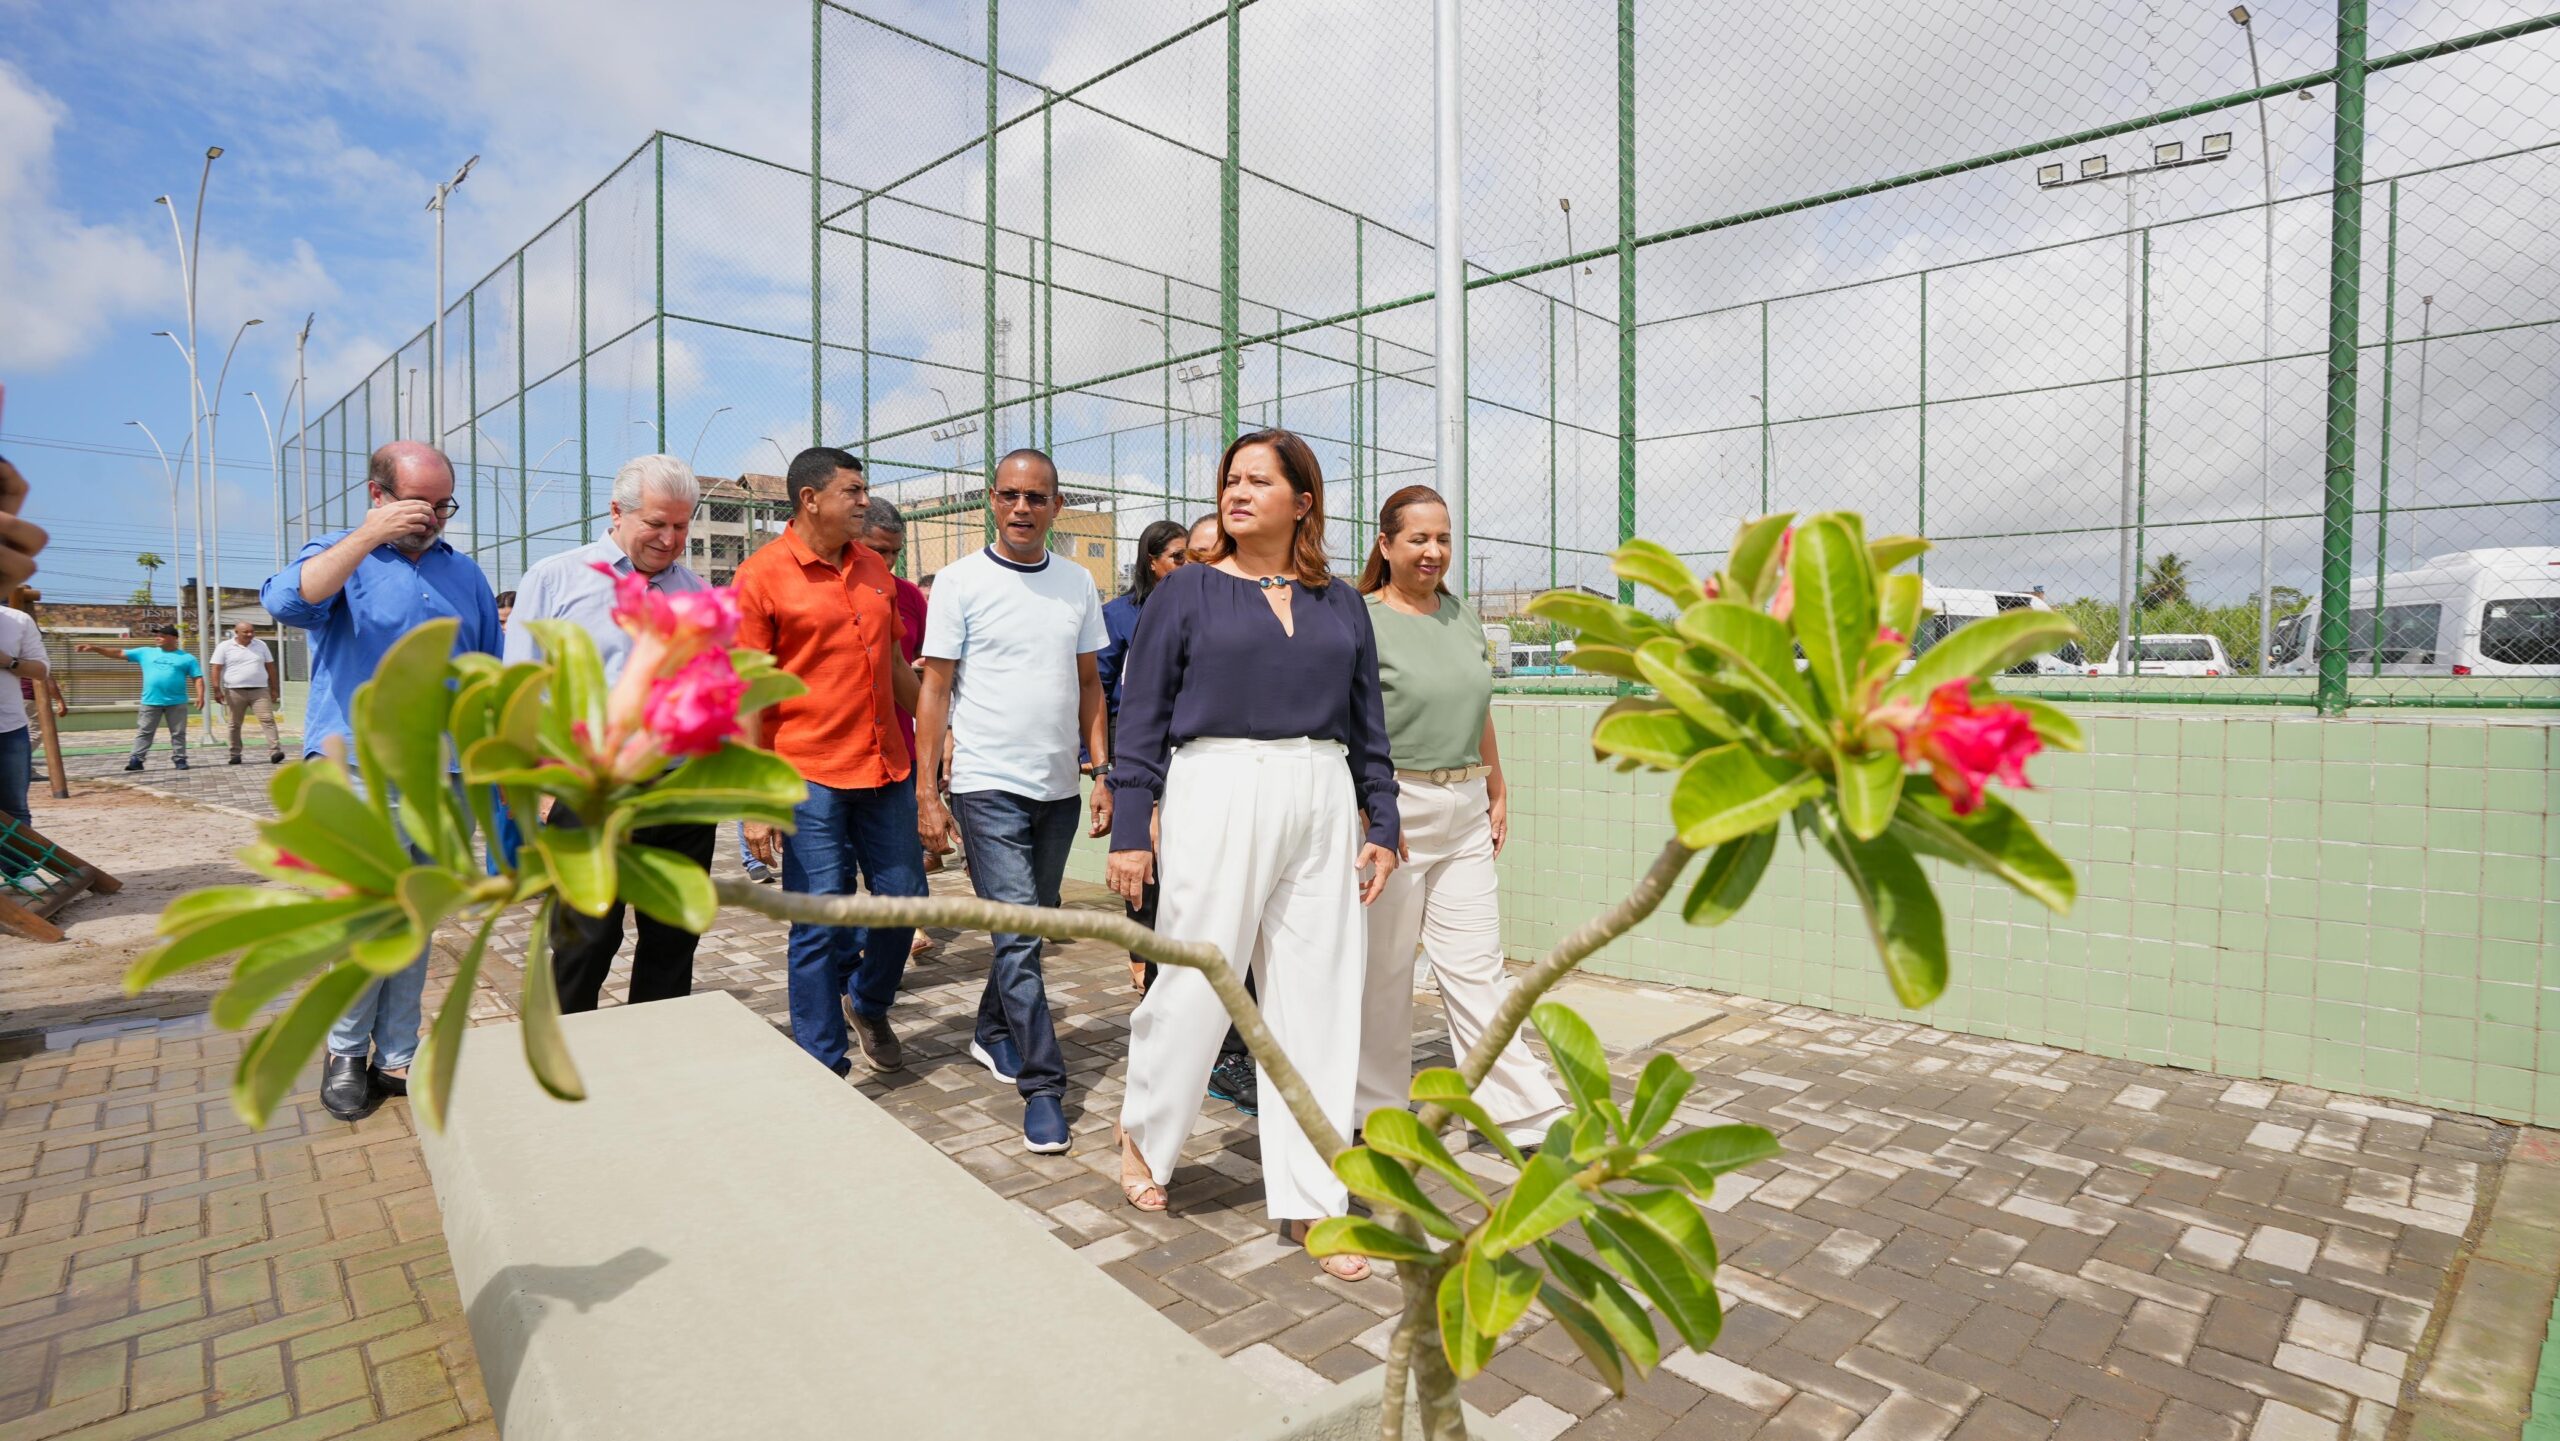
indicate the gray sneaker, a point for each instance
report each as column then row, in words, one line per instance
column 879, row 1043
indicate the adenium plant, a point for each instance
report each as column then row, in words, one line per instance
column 1782, row 691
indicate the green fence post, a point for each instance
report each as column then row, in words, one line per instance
column 987, row 315
column 1279, row 368
column 586, row 495
column 1360, row 417
column 1230, row 239
column 1627, row 283
column 2382, row 488
column 661, row 319
column 866, row 327
column 2346, row 258
column 2141, row 457
column 1049, row 295
column 471, row 402
column 524, row 520
column 1764, row 407
column 1922, row 519
column 817, row 231
column 1166, row 374
column 1551, row 442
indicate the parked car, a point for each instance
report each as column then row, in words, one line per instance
column 1947, row 609
column 2170, row 655
column 2470, row 613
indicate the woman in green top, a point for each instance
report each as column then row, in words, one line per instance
column 1438, row 686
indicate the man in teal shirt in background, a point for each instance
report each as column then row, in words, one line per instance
column 172, row 687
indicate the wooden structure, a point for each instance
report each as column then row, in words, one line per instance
column 39, row 878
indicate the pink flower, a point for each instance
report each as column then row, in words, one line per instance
column 287, row 860
column 684, row 623
column 1965, row 745
column 1783, row 604
column 1890, row 636
column 693, row 711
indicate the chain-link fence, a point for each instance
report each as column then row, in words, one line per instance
column 2230, row 333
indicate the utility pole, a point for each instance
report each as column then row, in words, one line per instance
column 435, row 346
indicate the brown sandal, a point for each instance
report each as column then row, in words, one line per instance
column 1137, row 1189
column 1342, row 1266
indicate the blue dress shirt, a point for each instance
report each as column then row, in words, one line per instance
column 1119, row 624
column 567, row 587
column 388, row 596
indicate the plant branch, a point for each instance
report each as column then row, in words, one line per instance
column 1647, row 896
column 1399, row 1360
column 971, row 913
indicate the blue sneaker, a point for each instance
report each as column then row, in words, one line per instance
column 1044, row 1126
column 1001, row 1060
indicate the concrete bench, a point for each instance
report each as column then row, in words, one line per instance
column 724, row 1240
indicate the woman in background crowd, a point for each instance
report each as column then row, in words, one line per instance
column 1250, row 706
column 1163, row 548
column 1438, row 686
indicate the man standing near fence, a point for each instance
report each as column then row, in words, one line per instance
column 246, row 684
column 172, row 687
column 652, row 511
column 1009, row 667
column 821, row 603
column 357, row 593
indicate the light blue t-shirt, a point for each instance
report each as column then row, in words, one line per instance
column 164, row 673
column 1016, row 632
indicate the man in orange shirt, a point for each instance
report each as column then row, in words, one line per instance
column 822, row 605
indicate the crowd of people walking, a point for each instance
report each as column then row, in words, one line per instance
column 1297, row 768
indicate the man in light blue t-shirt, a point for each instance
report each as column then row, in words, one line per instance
column 1009, row 672
column 172, row 687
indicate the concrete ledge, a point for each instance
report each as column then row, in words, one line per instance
column 1349, row 1412
column 727, row 1241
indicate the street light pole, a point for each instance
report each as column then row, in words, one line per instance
column 778, row 452
column 1449, row 346
column 172, row 472
column 2418, row 442
column 190, row 452
column 706, row 430
column 2266, row 359
column 302, row 445
column 189, row 246
column 212, row 582
column 435, row 345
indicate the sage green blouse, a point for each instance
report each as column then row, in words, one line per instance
column 1438, row 683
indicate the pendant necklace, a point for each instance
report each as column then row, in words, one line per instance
column 1272, row 582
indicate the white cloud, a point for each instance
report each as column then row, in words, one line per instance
column 61, row 279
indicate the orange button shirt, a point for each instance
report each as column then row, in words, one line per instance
column 837, row 630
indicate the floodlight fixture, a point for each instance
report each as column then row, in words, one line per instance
column 2092, row 166
column 2217, row 145
column 2169, row 152
column 2239, row 14
column 2049, row 174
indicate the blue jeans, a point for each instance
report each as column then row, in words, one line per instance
column 385, row 1018
column 1018, row 854
column 844, row 838
column 17, row 762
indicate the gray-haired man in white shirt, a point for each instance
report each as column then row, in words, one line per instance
column 245, row 681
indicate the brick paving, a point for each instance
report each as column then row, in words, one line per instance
column 1964, row 1238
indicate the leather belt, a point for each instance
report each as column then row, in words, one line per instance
column 1447, row 775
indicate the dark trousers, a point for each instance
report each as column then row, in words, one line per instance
column 1144, row 914
column 583, row 946
column 1018, row 854
column 845, row 838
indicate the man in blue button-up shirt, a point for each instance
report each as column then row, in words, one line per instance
column 357, row 592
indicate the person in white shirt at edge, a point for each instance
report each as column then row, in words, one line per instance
column 1009, row 669
column 22, row 656
column 652, row 511
column 246, row 684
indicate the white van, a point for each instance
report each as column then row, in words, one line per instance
column 2188, row 655
column 2472, row 613
column 1497, row 650
column 1949, row 609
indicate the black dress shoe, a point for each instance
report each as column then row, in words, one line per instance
column 386, row 1085
column 344, row 1089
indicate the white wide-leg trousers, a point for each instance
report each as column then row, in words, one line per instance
column 1255, row 851
column 1445, row 897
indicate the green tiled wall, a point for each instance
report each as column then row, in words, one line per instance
column 2365, row 903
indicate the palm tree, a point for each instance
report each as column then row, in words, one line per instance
column 150, row 561
column 2167, row 582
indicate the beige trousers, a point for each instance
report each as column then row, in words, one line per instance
column 1445, row 899
column 244, row 703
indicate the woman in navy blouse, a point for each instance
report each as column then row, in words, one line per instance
column 1250, row 710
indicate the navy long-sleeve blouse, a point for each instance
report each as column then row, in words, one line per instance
column 1210, row 659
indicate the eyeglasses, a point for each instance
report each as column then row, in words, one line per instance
column 1036, row 499
column 445, row 509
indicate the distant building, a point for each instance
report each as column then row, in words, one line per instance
column 941, row 531
column 737, row 517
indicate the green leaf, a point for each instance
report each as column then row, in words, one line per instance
column 526, row 693
column 1984, row 647
column 1652, row 565
column 1659, row 1091
column 440, row 1059
column 1605, row 660
column 1662, row 740
column 1384, row 1181
column 1756, row 649
column 766, row 682
column 1732, row 790
column 1720, row 1149
column 1466, row 1347
column 221, row 935
column 1887, row 551
column 426, row 894
column 1869, row 786
column 331, row 828
column 1397, row 1133
column 1901, row 909
column 1835, row 614
column 577, row 684
column 1587, row 1334
column 273, row 1059
column 1545, row 1197
column 1579, row 1061
column 1898, row 604
column 1360, row 1236
column 2054, row 726
column 203, row 907
column 1676, row 1219
column 1753, row 563
column 1995, row 840
column 1445, row 1087
column 580, row 861
column 1625, row 1318
column 735, row 782
column 1498, row 1291
column 1731, row 873
column 666, row 887
column 1685, row 1297
column 399, row 722
column 1667, row 665
column 272, row 967
column 1605, row 621
column 546, row 1051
